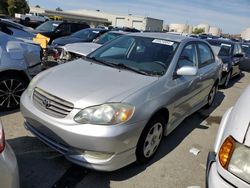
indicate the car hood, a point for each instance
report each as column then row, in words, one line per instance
column 67, row 40
column 238, row 122
column 82, row 48
column 87, row 84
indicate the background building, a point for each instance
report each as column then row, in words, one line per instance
column 181, row 28
column 215, row 31
column 95, row 18
column 245, row 34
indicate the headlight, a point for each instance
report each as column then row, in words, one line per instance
column 105, row 114
column 235, row 158
column 239, row 164
column 225, row 67
column 31, row 86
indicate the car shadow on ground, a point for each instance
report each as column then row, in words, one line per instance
column 8, row 112
column 40, row 166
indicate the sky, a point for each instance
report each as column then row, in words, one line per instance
column 231, row 15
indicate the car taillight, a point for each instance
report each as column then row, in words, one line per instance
column 2, row 138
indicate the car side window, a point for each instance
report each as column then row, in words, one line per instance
column 188, row 56
column 205, row 55
column 237, row 49
column 65, row 28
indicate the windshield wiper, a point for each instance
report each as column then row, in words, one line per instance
column 99, row 61
column 123, row 66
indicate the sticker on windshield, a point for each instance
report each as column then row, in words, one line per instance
column 96, row 31
column 54, row 24
column 223, row 44
column 245, row 45
column 164, row 42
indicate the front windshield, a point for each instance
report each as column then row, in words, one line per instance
column 148, row 55
column 225, row 50
column 245, row 48
column 86, row 34
column 48, row 26
column 107, row 37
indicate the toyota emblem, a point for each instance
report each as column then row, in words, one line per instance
column 46, row 103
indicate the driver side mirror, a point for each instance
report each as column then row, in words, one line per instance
column 187, row 71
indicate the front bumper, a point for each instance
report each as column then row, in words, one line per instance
column 9, row 175
column 72, row 139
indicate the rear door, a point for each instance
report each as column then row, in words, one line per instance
column 207, row 69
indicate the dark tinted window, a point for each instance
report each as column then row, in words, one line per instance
column 65, row 29
column 78, row 26
column 6, row 30
column 205, row 54
column 225, row 50
column 107, row 37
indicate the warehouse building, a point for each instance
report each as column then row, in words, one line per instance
column 95, row 18
column 181, row 28
column 245, row 34
column 215, row 31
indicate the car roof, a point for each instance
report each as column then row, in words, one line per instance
column 166, row 36
column 119, row 32
column 220, row 41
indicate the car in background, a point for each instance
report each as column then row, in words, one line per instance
column 84, row 35
column 245, row 65
column 16, row 30
column 228, row 165
column 73, row 51
column 9, row 176
column 56, row 29
column 113, row 107
column 231, row 55
column 31, row 17
column 125, row 29
column 19, row 61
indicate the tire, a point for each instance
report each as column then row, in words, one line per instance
column 228, row 78
column 150, row 139
column 211, row 96
column 11, row 89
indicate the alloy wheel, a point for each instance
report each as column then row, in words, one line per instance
column 10, row 93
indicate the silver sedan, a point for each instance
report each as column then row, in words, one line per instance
column 9, row 176
column 114, row 107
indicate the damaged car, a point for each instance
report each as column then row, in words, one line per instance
column 19, row 61
column 76, row 50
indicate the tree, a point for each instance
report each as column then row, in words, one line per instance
column 3, row 7
column 58, row 9
column 18, row 6
column 37, row 6
column 198, row 31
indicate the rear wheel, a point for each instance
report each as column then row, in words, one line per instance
column 11, row 89
column 228, row 77
column 150, row 139
column 211, row 96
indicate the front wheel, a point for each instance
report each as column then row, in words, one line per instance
column 150, row 139
column 11, row 89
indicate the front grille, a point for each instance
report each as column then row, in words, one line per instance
column 50, row 104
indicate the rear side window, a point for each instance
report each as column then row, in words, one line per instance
column 76, row 27
column 205, row 55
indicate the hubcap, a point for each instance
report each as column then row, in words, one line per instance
column 10, row 93
column 153, row 140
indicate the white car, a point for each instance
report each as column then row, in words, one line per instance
column 31, row 17
column 228, row 165
column 9, row 176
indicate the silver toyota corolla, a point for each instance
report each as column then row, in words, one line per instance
column 9, row 176
column 114, row 107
